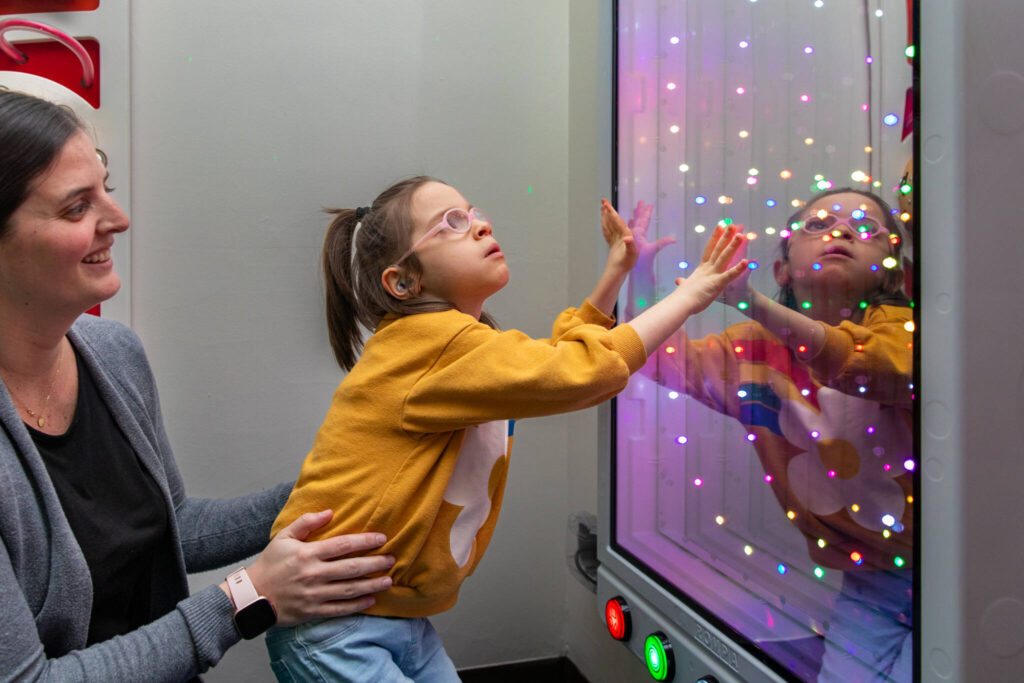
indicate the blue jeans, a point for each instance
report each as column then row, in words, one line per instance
column 872, row 632
column 360, row 648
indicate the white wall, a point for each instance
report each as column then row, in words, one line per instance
column 247, row 119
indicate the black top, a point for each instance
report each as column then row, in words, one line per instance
column 115, row 510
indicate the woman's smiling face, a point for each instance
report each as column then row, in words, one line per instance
column 56, row 251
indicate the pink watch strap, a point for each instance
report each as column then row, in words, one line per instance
column 240, row 586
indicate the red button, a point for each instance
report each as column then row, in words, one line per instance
column 616, row 616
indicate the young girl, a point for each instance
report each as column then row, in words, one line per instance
column 416, row 441
column 821, row 379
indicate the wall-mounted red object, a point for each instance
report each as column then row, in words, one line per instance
column 50, row 59
column 27, row 6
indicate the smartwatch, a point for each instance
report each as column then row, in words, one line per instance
column 253, row 613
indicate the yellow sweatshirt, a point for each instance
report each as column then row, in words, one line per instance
column 415, row 443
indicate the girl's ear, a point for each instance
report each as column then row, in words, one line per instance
column 782, row 275
column 396, row 284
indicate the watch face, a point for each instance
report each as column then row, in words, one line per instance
column 255, row 618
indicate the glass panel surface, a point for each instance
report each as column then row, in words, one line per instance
column 765, row 465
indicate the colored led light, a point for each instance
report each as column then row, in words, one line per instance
column 719, row 520
column 744, row 44
column 748, row 550
column 743, row 305
column 888, row 520
column 742, row 393
column 808, row 50
column 769, row 202
column 805, row 392
column 908, row 465
column 674, row 40
column 790, row 514
column 684, row 167
column 815, row 433
column 698, row 482
column 889, row 262
column 816, row 266
column 683, row 265
column 751, row 437
column 641, row 302
column 785, row 174
column 673, row 129
column 670, row 86
column 673, row 395
column 819, row 572
column 857, row 557
column 740, row 90
column 782, row 568
column 890, row 119
column 616, row 616
column 909, row 326
column 658, row 655
column 768, row 478
column 805, row 305
column 699, row 228
column 822, row 543
column 700, row 199
column 910, row 52
column 681, row 440
column 670, row 350
column 805, row 98
column 898, row 561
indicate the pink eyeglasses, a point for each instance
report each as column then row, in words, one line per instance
column 457, row 220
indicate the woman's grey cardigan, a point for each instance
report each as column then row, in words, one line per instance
column 45, row 588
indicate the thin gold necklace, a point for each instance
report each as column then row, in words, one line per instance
column 40, row 417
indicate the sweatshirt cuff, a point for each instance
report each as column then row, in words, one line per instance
column 208, row 614
column 629, row 345
column 592, row 315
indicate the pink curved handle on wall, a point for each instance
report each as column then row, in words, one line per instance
column 88, row 70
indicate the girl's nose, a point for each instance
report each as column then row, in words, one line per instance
column 844, row 229
column 481, row 228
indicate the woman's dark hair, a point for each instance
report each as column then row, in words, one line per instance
column 32, row 134
column 354, row 293
column 891, row 292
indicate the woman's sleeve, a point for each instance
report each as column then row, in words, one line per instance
column 484, row 375
column 216, row 532
column 178, row 646
column 876, row 355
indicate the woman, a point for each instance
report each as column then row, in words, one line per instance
column 97, row 532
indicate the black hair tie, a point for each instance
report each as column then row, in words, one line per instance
column 362, row 211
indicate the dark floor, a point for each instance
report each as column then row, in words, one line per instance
column 559, row 670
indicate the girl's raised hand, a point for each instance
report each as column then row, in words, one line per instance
column 716, row 270
column 622, row 250
column 739, row 289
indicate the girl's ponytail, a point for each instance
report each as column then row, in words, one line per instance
column 341, row 286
